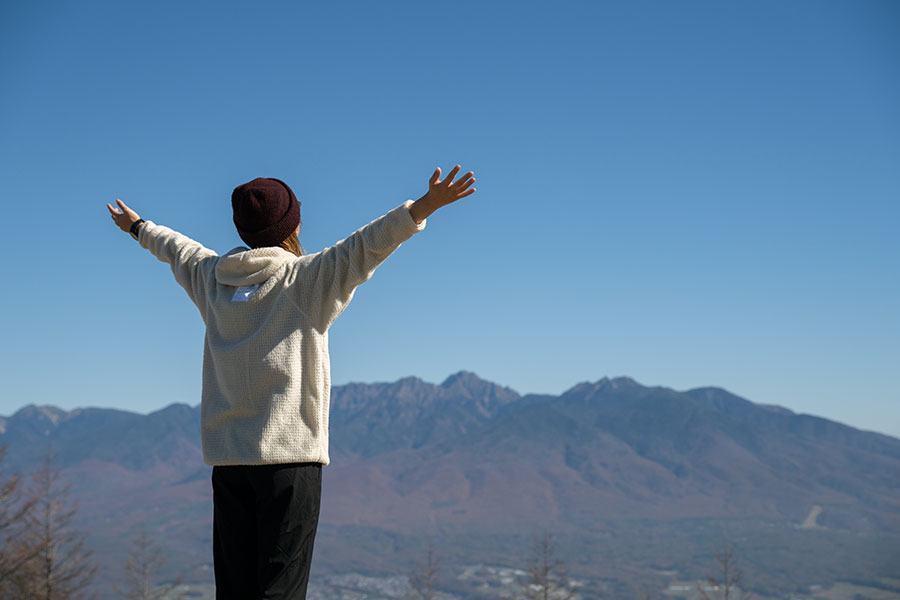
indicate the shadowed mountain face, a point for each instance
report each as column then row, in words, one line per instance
column 371, row 419
column 132, row 441
column 471, row 456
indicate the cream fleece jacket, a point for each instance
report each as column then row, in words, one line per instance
column 266, row 371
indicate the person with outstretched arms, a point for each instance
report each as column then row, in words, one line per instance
column 266, row 372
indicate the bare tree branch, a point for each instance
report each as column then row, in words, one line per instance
column 145, row 559
column 423, row 577
column 547, row 575
column 59, row 567
column 15, row 509
column 727, row 585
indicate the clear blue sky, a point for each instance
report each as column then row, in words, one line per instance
column 687, row 193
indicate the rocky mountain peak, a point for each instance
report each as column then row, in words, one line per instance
column 46, row 414
column 618, row 384
column 470, row 386
column 464, row 380
column 408, row 388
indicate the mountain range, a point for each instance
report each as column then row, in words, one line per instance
column 635, row 482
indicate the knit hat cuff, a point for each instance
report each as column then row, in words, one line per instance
column 275, row 233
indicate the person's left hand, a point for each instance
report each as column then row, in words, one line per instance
column 125, row 217
column 442, row 192
column 447, row 191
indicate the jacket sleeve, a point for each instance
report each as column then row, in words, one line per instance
column 324, row 284
column 183, row 255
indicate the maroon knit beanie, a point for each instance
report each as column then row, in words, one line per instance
column 266, row 211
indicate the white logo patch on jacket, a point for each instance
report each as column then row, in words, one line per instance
column 243, row 293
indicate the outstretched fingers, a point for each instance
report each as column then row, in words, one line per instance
column 468, row 192
column 449, row 178
column 444, row 191
column 124, row 207
column 460, row 187
column 465, row 181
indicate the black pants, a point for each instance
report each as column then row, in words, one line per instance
column 264, row 525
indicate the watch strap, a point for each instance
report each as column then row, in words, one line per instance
column 135, row 227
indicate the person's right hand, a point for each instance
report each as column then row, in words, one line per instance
column 125, row 217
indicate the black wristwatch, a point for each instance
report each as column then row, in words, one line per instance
column 134, row 228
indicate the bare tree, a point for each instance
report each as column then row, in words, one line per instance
column 547, row 575
column 59, row 567
column 727, row 585
column 644, row 594
column 423, row 577
column 15, row 508
column 142, row 569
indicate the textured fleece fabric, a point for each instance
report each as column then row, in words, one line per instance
column 266, row 371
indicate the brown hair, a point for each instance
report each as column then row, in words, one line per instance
column 292, row 245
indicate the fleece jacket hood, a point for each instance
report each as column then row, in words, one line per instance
column 243, row 266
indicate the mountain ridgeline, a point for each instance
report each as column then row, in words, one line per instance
column 613, row 448
column 471, row 458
